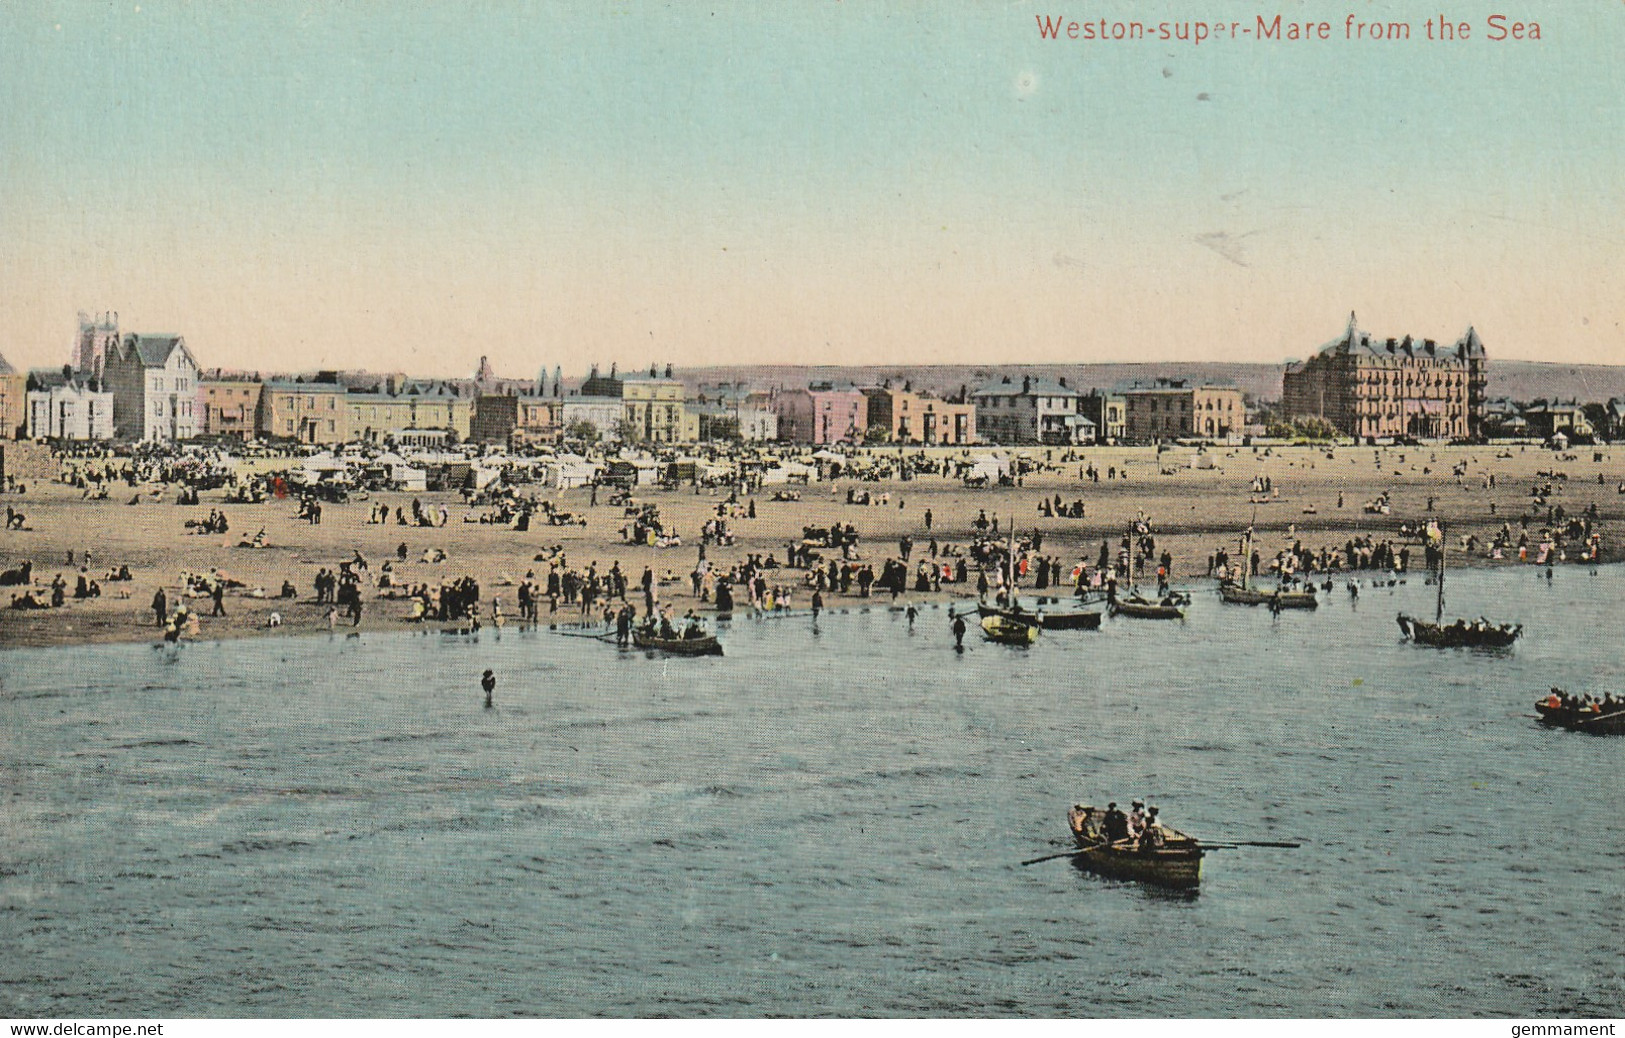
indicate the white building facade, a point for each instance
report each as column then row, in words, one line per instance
column 68, row 410
column 154, row 383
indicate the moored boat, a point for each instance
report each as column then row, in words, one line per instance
column 1175, row 862
column 1143, row 609
column 1237, row 594
column 1056, row 620
column 1240, row 592
column 704, row 645
column 1009, row 632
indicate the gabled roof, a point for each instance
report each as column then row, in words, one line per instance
column 5, row 368
column 153, row 351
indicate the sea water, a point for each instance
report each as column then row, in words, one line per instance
column 829, row 820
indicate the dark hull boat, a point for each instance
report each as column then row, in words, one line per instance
column 706, row 646
column 1141, row 609
column 1061, row 620
column 1235, row 594
column 1177, row 864
column 1590, row 722
column 1459, row 635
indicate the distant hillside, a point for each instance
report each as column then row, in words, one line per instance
column 1518, row 379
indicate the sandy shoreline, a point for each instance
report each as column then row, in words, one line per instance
column 1192, row 511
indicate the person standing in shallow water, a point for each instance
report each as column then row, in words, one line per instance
column 489, row 684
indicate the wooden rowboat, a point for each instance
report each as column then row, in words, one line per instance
column 703, row 646
column 1058, row 620
column 1590, row 722
column 1145, row 610
column 1176, row 864
column 1008, row 632
column 1459, row 635
column 1235, row 594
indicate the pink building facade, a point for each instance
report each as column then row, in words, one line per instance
column 822, row 415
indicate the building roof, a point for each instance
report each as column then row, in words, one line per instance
column 153, row 351
column 6, row 368
column 56, row 378
column 1356, row 340
column 1561, row 406
column 282, row 385
column 1169, row 385
column 1026, row 387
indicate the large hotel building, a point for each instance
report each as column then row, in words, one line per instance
column 1367, row 386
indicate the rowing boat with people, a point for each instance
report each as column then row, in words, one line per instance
column 1462, row 634
column 704, row 645
column 1480, row 634
column 1582, row 714
column 1174, row 860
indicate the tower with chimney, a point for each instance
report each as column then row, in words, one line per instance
column 96, row 337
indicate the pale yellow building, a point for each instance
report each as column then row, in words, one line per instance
column 310, row 412
column 420, row 412
column 654, row 410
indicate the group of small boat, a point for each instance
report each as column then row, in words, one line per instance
column 1014, row 624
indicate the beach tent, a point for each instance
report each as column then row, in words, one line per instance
column 990, row 466
column 409, row 478
column 788, row 472
column 569, row 470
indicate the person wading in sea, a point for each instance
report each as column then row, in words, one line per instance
column 489, row 683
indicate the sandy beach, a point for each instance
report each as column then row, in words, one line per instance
column 1192, row 512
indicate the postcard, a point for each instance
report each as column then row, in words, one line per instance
column 1034, row 511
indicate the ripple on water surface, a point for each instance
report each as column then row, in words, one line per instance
column 823, row 822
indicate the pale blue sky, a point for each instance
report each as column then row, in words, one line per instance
column 416, row 184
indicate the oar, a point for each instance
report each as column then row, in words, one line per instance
column 581, row 634
column 1612, row 715
column 1052, row 857
column 1076, row 852
column 1246, row 843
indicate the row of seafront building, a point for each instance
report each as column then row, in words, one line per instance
column 142, row 387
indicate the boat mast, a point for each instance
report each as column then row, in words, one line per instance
column 1438, row 612
column 1247, row 551
column 1010, row 568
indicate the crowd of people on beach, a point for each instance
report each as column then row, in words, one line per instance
column 989, row 560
